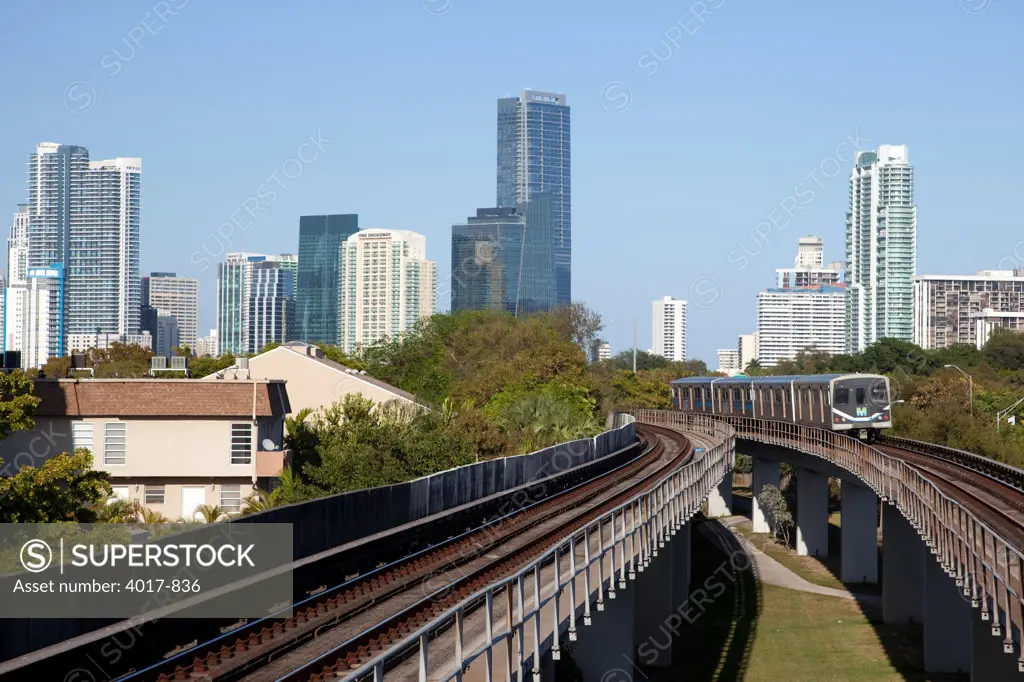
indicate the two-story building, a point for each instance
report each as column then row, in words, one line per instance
column 172, row 444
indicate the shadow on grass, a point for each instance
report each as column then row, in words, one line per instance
column 716, row 637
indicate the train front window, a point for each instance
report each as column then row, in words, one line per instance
column 842, row 396
column 878, row 393
column 861, row 394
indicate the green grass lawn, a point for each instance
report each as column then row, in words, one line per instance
column 762, row 633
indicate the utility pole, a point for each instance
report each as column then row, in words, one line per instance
column 634, row 346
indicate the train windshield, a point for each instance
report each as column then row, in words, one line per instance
column 878, row 393
column 842, row 396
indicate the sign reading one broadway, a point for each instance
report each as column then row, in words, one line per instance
column 221, row 570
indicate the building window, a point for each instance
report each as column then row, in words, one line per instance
column 241, row 444
column 231, row 498
column 154, row 494
column 81, row 436
column 115, row 441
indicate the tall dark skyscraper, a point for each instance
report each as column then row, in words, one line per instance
column 316, row 297
column 534, row 156
column 502, row 259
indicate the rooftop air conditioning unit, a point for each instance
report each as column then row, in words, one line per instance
column 243, row 363
column 158, row 362
column 179, row 363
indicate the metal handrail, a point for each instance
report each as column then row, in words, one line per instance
column 674, row 499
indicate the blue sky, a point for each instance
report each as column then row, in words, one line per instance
column 695, row 126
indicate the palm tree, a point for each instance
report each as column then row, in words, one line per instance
column 150, row 516
column 258, row 501
column 117, row 510
column 211, row 513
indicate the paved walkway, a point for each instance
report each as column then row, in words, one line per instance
column 772, row 572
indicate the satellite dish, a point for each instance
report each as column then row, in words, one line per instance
column 269, row 444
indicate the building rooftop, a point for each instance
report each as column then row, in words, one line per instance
column 160, row 398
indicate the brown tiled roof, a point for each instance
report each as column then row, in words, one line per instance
column 159, row 398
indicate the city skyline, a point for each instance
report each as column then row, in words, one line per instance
column 632, row 169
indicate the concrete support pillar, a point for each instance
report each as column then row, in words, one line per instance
column 683, row 572
column 605, row 649
column 903, row 557
column 989, row 663
column 654, row 601
column 859, row 534
column 811, row 513
column 947, row 623
column 720, row 498
column 766, row 472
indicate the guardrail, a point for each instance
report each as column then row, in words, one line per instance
column 985, row 566
column 653, row 516
column 999, row 471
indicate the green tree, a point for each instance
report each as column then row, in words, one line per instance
column 64, row 488
column 17, row 403
column 777, row 513
column 206, row 365
column 1004, row 349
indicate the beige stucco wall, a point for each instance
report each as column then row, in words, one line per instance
column 154, row 447
column 172, row 505
column 310, row 383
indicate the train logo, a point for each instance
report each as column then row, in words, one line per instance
column 862, row 411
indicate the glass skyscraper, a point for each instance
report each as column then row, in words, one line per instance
column 534, row 156
column 255, row 299
column 316, row 295
column 502, row 259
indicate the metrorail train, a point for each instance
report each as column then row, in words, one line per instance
column 858, row 403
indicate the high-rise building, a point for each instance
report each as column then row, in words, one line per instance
column 316, row 293
column 668, row 328
column 808, row 268
column 881, row 248
column 952, row 309
column 84, row 215
column 104, row 340
column 502, row 259
column 32, row 316
column 746, row 344
column 271, row 303
column 799, row 319
column 207, row 345
column 17, row 248
column 534, row 155
column 168, row 335
column 729, row 361
column 387, row 285
column 604, row 351
column 250, row 310
column 178, row 297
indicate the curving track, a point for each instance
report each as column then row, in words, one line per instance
column 999, row 502
column 352, row 623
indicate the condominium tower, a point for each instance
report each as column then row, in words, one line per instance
column 316, row 292
column 255, row 301
column 668, row 328
column 387, row 286
column 534, row 155
column 881, row 248
column 84, row 216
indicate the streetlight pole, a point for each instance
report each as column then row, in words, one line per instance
column 970, row 385
column 1002, row 413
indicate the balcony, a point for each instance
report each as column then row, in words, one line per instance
column 271, row 462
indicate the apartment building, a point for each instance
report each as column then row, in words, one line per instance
column 952, row 309
column 173, row 445
column 668, row 328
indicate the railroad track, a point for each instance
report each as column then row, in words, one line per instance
column 331, row 619
column 1000, row 502
column 357, row 651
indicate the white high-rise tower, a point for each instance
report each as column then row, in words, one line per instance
column 881, row 248
column 668, row 328
column 386, row 286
